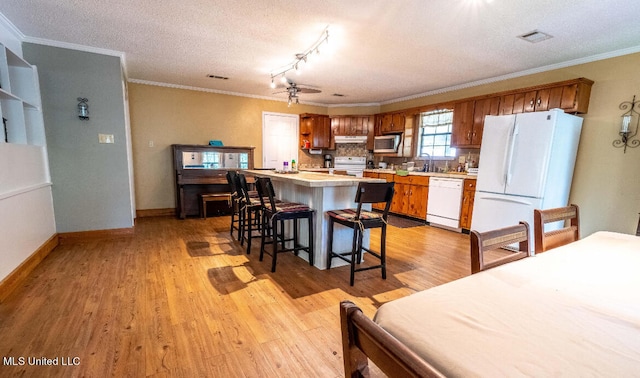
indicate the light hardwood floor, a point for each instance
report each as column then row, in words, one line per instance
column 181, row 298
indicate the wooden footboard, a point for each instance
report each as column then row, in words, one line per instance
column 362, row 339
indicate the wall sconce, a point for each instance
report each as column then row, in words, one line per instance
column 83, row 108
column 627, row 128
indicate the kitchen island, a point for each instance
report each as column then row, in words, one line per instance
column 321, row 192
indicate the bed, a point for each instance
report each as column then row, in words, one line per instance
column 573, row 311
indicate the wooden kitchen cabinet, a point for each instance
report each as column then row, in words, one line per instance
column 411, row 196
column 482, row 108
column 462, row 128
column 400, row 202
column 468, row 195
column 392, row 123
column 316, row 129
column 353, row 126
column 418, row 197
column 572, row 96
column 468, row 121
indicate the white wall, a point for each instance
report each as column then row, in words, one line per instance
column 26, row 204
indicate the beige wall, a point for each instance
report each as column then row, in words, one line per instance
column 169, row 116
column 606, row 182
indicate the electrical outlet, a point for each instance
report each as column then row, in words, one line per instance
column 150, row 143
column 105, row 138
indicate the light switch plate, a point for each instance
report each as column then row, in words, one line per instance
column 105, row 138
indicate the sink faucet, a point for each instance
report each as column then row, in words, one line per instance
column 429, row 167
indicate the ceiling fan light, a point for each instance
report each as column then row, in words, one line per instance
column 283, row 79
column 273, row 84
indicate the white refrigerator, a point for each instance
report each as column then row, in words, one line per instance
column 526, row 162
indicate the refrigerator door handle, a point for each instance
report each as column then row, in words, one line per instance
column 511, row 150
column 520, row 201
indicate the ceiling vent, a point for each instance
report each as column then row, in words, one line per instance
column 218, row 77
column 338, row 95
column 535, row 36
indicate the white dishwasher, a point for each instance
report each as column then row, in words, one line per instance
column 445, row 198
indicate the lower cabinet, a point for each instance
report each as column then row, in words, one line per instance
column 468, row 196
column 411, row 195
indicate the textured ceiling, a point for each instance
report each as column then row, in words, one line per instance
column 382, row 50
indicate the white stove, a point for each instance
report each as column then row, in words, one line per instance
column 354, row 165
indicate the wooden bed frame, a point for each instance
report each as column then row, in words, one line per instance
column 362, row 339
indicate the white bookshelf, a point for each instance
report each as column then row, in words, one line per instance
column 20, row 102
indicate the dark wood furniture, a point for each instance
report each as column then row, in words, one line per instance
column 363, row 339
column 482, row 242
column 552, row 239
column 212, row 197
column 275, row 213
column 201, row 169
column 360, row 220
column 251, row 212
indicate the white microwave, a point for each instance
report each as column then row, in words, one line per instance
column 386, row 144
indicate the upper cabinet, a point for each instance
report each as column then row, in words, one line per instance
column 572, row 96
column 353, row 126
column 315, row 129
column 391, row 123
column 20, row 111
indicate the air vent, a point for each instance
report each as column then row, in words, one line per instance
column 535, row 36
column 218, row 77
column 338, row 95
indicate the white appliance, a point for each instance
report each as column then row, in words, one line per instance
column 350, row 139
column 386, row 143
column 354, row 165
column 445, row 199
column 526, row 163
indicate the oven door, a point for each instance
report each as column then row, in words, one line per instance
column 355, row 172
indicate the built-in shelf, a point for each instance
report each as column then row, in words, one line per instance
column 20, row 106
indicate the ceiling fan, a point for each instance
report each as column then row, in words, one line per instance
column 293, row 89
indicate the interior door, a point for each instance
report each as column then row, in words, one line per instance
column 279, row 139
column 526, row 171
column 494, row 153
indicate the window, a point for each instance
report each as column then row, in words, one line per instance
column 435, row 134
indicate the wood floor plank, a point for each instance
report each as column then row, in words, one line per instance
column 181, row 298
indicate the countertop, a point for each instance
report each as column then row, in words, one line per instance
column 313, row 179
column 458, row 175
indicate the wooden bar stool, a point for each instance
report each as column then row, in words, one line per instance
column 360, row 220
column 274, row 213
column 236, row 204
column 251, row 212
column 212, row 197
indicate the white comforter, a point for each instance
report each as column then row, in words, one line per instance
column 573, row 311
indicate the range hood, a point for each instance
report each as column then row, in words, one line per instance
column 351, row 138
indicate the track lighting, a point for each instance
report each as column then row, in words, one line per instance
column 301, row 58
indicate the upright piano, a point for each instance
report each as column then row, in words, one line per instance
column 202, row 169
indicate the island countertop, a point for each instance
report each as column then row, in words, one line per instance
column 322, row 192
column 313, row 179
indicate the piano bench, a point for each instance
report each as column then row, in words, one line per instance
column 207, row 197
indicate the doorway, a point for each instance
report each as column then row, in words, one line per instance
column 279, row 139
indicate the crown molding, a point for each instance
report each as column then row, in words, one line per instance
column 569, row 63
column 209, row 90
column 11, row 27
column 74, row 46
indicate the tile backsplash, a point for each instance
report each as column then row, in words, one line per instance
column 351, row 149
